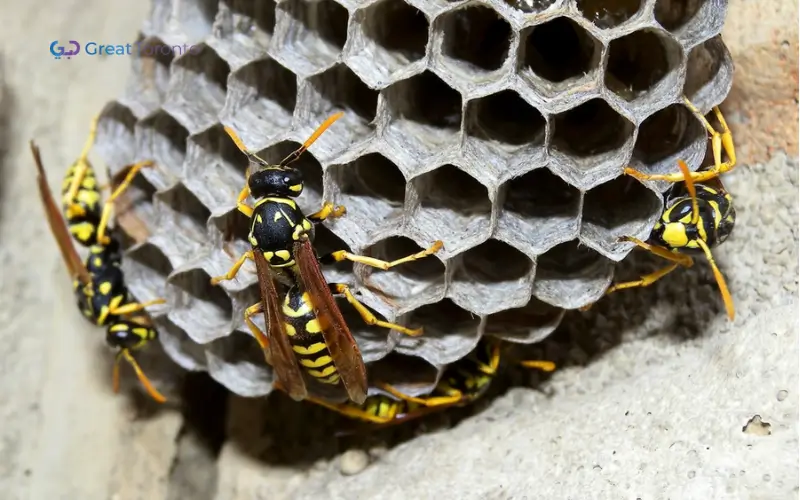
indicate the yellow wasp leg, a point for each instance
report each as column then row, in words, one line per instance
column 251, row 311
column 82, row 163
column 341, row 255
column 646, row 280
column 133, row 307
column 109, row 204
column 366, row 315
column 354, row 412
column 241, row 205
column 234, row 270
column 428, row 402
column 152, row 391
column 328, row 210
column 545, row 366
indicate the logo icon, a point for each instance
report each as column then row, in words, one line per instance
column 60, row 51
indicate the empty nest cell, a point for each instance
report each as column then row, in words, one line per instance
column 530, row 323
column 409, row 374
column 185, row 213
column 392, row 34
column 116, row 126
column 448, row 331
column 589, row 129
column 148, row 87
column 197, row 89
column 202, row 310
column 161, row 138
column 237, row 361
column 558, row 51
column 215, row 168
column 146, row 270
column 539, row 211
column 476, row 36
column 254, row 19
column 310, row 200
column 709, row 73
column 309, row 36
column 261, row 101
column 571, row 275
column 196, row 18
column 491, row 277
column 451, row 206
column 674, row 15
column 639, row 61
column 425, row 115
column 608, row 14
column 666, row 136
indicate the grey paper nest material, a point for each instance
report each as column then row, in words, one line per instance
column 500, row 127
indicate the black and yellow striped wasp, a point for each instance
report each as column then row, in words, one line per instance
column 100, row 289
column 462, row 383
column 87, row 217
column 698, row 215
column 308, row 342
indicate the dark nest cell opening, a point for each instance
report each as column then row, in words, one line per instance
column 445, row 318
column 636, row 63
column 150, row 256
column 453, row 189
column 541, row 194
column 396, row 247
column 559, row 50
column 342, row 88
column 153, row 57
column 534, row 314
column 507, row 118
column 397, row 27
column 167, row 141
column 666, row 132
column 196, row 283
column 232, row 225
column 182, row 201
column 372, row 176
column 674, row 14
column 493, row 262
column 272, row 81
column 589, row 129
column 217, row 143
column 397, row 368
column 117, row 115
column 427, row 100
column 206, row 65
column 704, row 63
column 477, row 35
column 306, row 164
column 607, row 14
column 619, row 202
column 325, row 242
column 327, row 19
column 566, row 259
column 261, row 12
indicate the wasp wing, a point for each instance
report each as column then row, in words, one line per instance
column 280, row 350
column 58, row 227
column 341, row 344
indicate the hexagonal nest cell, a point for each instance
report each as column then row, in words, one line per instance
column 499, row 127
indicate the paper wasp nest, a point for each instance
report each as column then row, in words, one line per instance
column 499, row 127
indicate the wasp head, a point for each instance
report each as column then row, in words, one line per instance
column 273, row 180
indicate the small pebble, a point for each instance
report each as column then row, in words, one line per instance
column 782, row 394
column 691, row 474
column 353, row 461
column 767, row 478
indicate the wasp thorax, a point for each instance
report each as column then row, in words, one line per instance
column 276, row 181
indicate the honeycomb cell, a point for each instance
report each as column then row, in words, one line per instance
column 476, row 39
column 309, row 36
column 373, row 190
column 413, row 282
column 147, row 89
column 184, row 219
column 339, row 89
column 571, row 276
column 261, row 99
column 180, row 347
column 504, row 125
column 639, row 61
column 146, row 269
column 216, row 167
column 390, row 35
column 161, row 138
column 192, row 297
column 448, row 335
column 371, row 339
column 691, row 21
column 253, row 20
column 530, row 323
column 197, row 88
column 424, row 117
column 196, row 18
column 555, row 54
column 491, row 277
column 531, row 6
column 116, row 125
column 448, row 204
column 238, row 360
column 539, row 211
column 408, row 374
column 605, row 14
column 620, row 207
column 586, row 140
column 709, row 74
column 311, row 199
column 667, row 136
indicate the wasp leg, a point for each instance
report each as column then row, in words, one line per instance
column 132, row 307
column 82, row 163
column 234, row 270
column 545, row 366
column 353, row 412
column 261, row 338
column 341, row 255
column 368, row 317
column 241, row 205
column 328, row 210
column 664, row 253
column 109, row 203
column 720, row 141
column 454, row 397
column 646, row 280
column 152, row 391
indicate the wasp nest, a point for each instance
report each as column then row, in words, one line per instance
column 499, row 127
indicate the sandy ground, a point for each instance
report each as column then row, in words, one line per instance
column 658, row 416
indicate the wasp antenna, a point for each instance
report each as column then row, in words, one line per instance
column 311, row 140
column 240, row 145
column 140, row 374
column 687, row 177
column 723, row 287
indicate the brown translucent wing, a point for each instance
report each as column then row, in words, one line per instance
column 58, row 227
column 341, row 344
column 124, row 216
column 281, row 354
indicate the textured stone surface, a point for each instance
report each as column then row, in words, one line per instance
column 501, row 129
